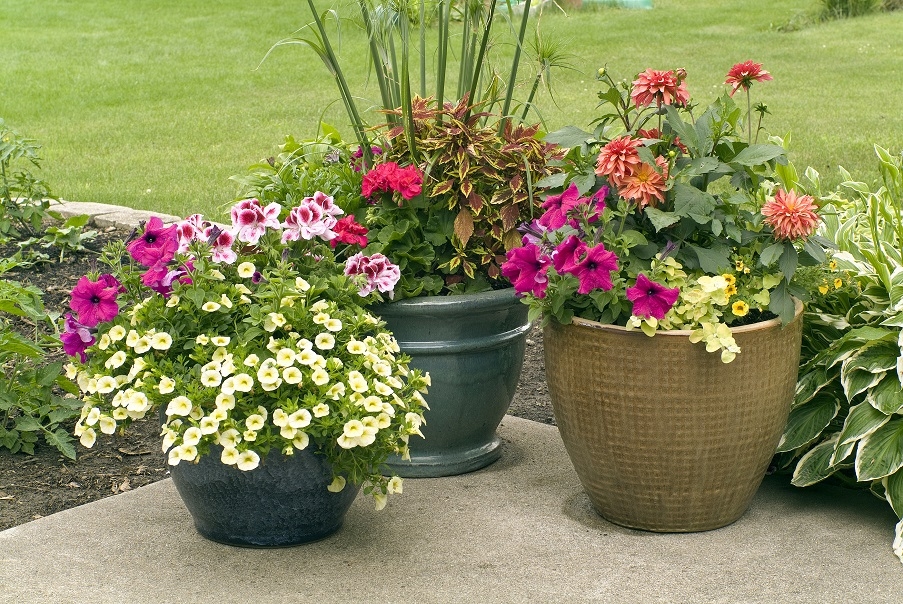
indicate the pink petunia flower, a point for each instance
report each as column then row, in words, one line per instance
column 95, row 301
column 660, row 87
column 381, row 274
column 526, row 268
column 618, row 159
column 76, row 338
column 651, row 299
column 742, row 75
column 790, row 216
column 557, row 207
column 595, row 269
column 156, row 244
column 250, row 220
column 160, row 278
column 568, row 254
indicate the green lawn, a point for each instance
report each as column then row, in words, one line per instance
column 155, row 104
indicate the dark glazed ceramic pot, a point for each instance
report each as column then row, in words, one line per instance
column 284, row 501
column 473, row 348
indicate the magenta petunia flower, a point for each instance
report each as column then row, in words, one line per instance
column 527, row 268
column 95, row 301
column 156, row 244
column 250, row 220
column 160, row 277
column 595, row 269
column 598, row 204
column 381, row 274
column 76, row 338
column 651, row 299
column 568, row 254
column 557, row 207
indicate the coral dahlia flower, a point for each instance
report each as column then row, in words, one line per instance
column 618, row 159
column 646, row 186
column 742, row 75
column 791, row 216
column 661, row 87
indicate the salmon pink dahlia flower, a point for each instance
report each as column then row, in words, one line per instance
column 660, row 87
column 742, row 75
column 618, row 159
column 647, row 185
column 791, row 216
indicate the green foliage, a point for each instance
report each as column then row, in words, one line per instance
column 838, row 9
column 302, row 168
column 845, row 418
column 29, row 405
column 24, row 198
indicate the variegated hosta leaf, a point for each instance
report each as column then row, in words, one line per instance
column 893, row 492
column 809, row 384
column 858, row 380
column 862, row 421
column 898, row 540
column 854, row 341
column 815, row 465
column 887, row 395
column 841, row 453
column 875, row 359
column 807, row 421
column 881, row 452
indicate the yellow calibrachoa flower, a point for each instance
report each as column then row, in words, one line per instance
column 246, row 270
column 210, row 306
column 740, row 308
column 838, row 283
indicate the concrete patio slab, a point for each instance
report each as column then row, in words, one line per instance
column 521, row 530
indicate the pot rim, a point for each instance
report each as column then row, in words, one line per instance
column 685, row 333
column 480, row 299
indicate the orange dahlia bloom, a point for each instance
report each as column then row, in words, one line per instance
column 791, row 217
column 618, row 159
column 744, row 74
column 662, row 87
column 645, row 185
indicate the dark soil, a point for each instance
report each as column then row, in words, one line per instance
column 32, row 486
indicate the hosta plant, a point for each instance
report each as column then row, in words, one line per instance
column 847, row 417
column 668, row 217
column 248, row 338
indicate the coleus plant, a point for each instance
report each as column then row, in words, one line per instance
column 446, row 207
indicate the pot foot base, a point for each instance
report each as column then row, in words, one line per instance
column 451, row 463
column 268, row 541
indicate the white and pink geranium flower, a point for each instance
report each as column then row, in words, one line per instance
column 379, row 271
column 250, row 220
column 313, row 217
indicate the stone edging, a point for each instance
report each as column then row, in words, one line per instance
column 105, row 215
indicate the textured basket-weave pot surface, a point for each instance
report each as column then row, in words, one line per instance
column 663, row 435
column 473, row 348
column 282, row 502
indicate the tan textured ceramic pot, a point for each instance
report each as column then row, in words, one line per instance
column 663, row 435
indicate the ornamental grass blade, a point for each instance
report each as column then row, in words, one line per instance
column 815, row 465
column 806, row 422
column 881, row 453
